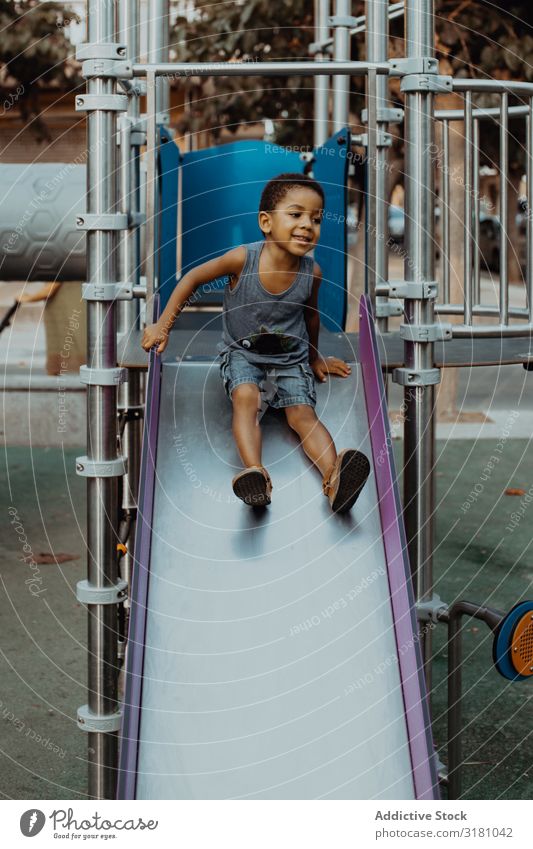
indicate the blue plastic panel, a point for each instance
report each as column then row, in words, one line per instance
column 220, row 193
column 221, row 190
column 169, row 165
column 330, row 168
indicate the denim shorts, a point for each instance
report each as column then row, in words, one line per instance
column 283, row 386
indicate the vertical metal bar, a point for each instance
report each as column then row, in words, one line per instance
column 158, row 28
column 455, row 694
column 377, row 50
column 419, row 442
column 529, row 220
column 151, row 189
column 130, row 393
column 476, row 289
column 468, row 169
column 504, row 212
column 371, row 189
column 341, row 53
column 453, row 616
column 101, row 421
column 321, row 83
column 445, row 212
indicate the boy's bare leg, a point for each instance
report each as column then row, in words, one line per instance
column 316, row 439
column 246, row 400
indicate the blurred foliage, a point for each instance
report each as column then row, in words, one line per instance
column 495, row 41
column 34, row 54
column 255, row 31
column 474, row 38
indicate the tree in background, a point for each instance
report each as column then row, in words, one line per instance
column 255, row 31
column 34, row 54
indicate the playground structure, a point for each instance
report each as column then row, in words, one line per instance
column 166, row 746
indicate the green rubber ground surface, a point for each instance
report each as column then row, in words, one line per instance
column 482, row 554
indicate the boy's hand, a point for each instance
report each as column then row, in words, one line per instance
column 155, row 335
column 331, row 365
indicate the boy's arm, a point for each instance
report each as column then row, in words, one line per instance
column 45, row 293
column 231, row 263
column 321, row 367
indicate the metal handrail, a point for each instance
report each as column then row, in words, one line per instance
column 255, row 69
column 453, row 618
column 492, row 86
column 479, row 113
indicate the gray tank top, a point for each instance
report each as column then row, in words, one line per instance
column 267, row 328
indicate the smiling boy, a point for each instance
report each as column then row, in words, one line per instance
column 270, row 331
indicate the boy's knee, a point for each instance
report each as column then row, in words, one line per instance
column 300, row 414
column 246, row 395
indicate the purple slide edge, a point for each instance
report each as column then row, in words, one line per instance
column 402, row 600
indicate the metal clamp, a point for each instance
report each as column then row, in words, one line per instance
column 87, row 468
column 107, row 102
column 100, row 51
column 125, row 121
column 386, row 114
column 426, row 332
column 139, row 87
column 137, row 218
column 101, row 723
column 414, row 65
column 138, row 138
column 138, row 130
column 102, row 376
column 384, row 309
column 427, row 82
column 417, row 291
column 106, row 68
column 107, row 291
column 429, row 611
column 87, row 593
column 343, row 21
column 416, row 377
column 320, row 47
column 383, row 139
column 103, row 221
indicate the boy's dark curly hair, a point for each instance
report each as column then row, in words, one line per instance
column 276, row 189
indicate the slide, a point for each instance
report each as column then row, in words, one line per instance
column 272, row 654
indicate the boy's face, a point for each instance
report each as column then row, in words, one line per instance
column 295, row 222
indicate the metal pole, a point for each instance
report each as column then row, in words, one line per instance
column 130, row 393
column 419, row 375
column 445, row 212
column 322, row 84
column 529, row 220
column 453, row 616
column 101, row 466
column 158, row 29
column 468, row 178
column 477, row 209
column 504, row 211
column 377, row 50
column 341, row 53
column 151, row 189
column 268, row 69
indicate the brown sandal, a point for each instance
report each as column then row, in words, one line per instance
column 253, row 486
column 346, row 480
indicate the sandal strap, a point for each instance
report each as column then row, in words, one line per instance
column 326, row 482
